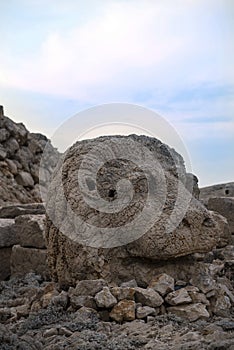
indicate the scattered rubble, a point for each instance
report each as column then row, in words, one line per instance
column 36, row 314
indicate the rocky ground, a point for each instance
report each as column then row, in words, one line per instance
column 36, row 314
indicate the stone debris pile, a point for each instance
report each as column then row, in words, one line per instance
column 128, row 301
column 38, row 314
column 20, row 156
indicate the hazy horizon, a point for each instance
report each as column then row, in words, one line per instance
column 175, row 58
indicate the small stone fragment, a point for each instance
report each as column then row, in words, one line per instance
column 130, row 284
column 211, row 294
column 203, row 281
column 22, row 310
column 123, row 311
column 89, row 287
column 121, row 293
column 180, row 283
column 12, row 166
column 163, row 284
column 191, row 312
column 144, row 311
column 60, row 300
column 148, row 297
column 222, row 305
column 198, row 298
column 47, row 298
column 86, row 312
column 149, row 319
column 25, row 179
column 104, row 298
column 30, row 230
column 64, row 331
column 82, row 300
column 192, row 289
column 178, row 297
column 226, row 291
column 50, row 332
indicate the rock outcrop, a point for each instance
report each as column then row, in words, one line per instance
column 79, row 245
column 20, row 156
column 219, row 190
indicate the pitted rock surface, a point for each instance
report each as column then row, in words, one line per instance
column 69, row 259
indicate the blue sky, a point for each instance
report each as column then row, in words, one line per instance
column 173, row 56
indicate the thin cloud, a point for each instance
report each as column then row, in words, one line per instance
column 130, row 46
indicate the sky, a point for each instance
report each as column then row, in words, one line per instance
column 174, row 57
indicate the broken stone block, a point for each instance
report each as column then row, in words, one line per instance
column 144, row 311
column 178, row 297
column 225, row 207
column 121, row 293
column 163, row 284
column 191, row 312
column 130, row 284
column 148, row 297
column 25, row 260
column 8, row 235
column 225, row 237
column 203, row 281
column 198, row 298
column 123, row 311
column 25, row 179
column 104, row 298
column 89, row 287
column 13, row 210
column 82, row 300
column 50, row 332
column 221, row 304
column 30, row 230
